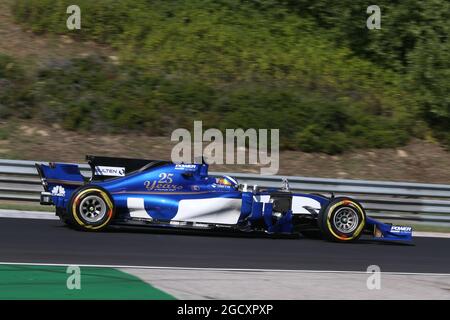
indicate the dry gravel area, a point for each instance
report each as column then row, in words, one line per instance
column 23, row 44
column 419, row 161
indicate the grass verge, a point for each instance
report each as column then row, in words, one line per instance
column 26, row 282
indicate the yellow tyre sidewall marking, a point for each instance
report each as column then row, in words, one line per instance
column 357, row 231
column 105, row 197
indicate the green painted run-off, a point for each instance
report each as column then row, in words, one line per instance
column 50, row 282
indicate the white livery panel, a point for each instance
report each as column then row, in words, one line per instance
column 212, row 210
column 299, row 204
column 137, row 208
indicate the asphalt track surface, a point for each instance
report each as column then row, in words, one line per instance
column 49, row 241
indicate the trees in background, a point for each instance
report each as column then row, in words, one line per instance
column 310, row 68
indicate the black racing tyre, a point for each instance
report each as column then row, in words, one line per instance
column 90, row 209
column 343, row 220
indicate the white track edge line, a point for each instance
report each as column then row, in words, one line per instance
column 215, row 269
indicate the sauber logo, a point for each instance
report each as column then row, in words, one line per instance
column 110, row 171
column 400, row 229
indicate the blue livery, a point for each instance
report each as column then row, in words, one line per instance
column 157, row 193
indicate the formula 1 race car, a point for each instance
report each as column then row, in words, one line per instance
column 165, row 194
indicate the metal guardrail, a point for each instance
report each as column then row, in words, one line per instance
column 418, row 202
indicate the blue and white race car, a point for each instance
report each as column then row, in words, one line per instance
column 165, row 194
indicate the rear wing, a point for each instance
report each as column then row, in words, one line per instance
column 104, row 168
column 59, row 181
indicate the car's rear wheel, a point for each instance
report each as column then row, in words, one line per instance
column 91, row 209
column 343, row 220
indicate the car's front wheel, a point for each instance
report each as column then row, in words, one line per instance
column 91, row 209
column 343, row 220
